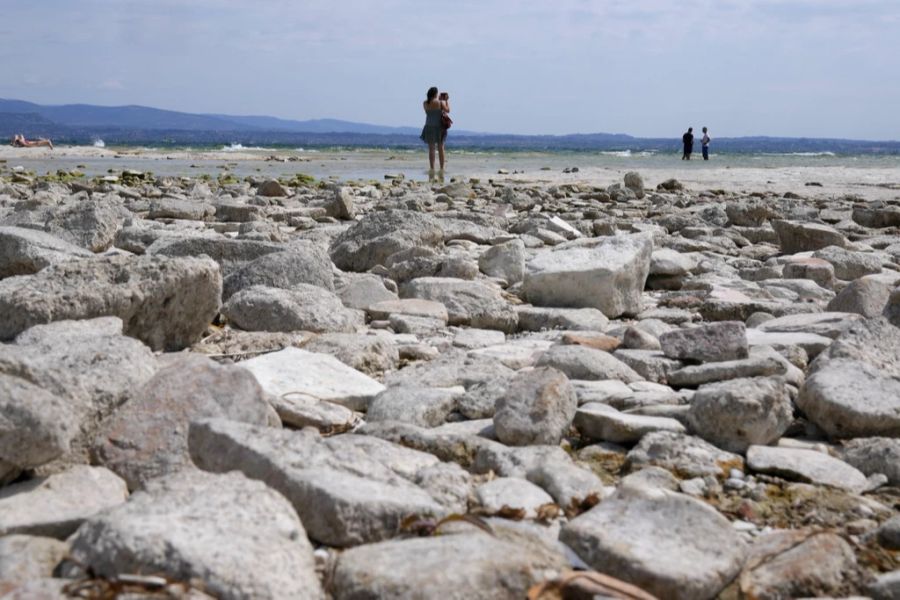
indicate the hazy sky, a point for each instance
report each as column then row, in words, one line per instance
column 823, row 68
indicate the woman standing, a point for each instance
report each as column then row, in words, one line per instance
column 433, row 133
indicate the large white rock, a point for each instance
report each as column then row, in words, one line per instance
column 666, row 543
column 319, row 375
column 607, row 273
column 805, row 465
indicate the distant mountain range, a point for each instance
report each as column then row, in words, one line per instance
column 83, row 123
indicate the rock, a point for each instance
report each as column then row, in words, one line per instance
column 635, row 338
column 300, row 264
column 853, row 389
column 474, row 565
column 56, row 505
column 570, row 486
column 422, row 406
column 714, row 342
column 88, row 365
column 796, row 237
column 318, row 375
column 147, row 437
column 892, row 309
column 665, row 261
column 849, row 265
column 602, row 422
column 754, row 366
column 236, row 536
column 24, row 557
column 814, row 269
column 797, row 564
column 866, row 296
column 886, row 586
column 635, row 183
column 302, row 307
column 888, row 534
column 370, row 354
column 342, row 205
column 26, row 251
column 372, row 240
column 172, row 208
column 362, row 290
column 414, row 307
column 580, row 362
column 827, row 324
column 607, row 273
column 511, row 493
column 649, row 364
column 670, row 185
column 537, row 408
column 91, row 225
column 271, row 189
column 805, row 465
column 504, row 261
column 477, row 338
column 472, row 303
column 749, row 213
column 875, row 455
column 537, row 318
column 686, row 456
column 663, row 542
column 165, row 303
column 35, row 427
column 347, row 489
column 229, row 254
column 739, row 413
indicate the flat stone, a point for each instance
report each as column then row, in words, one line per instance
column 663, row 542
column 471, row 303
column 604, row 423
column 516, row 354
column 609, row 391
column 238, row 537
column 811, row 343
column 318, row 375
column 827, row 324
column 686, row 456
column 24, row 251
column 415, row 307
column 579, row 362
column 537, row 318
column 303, row 307
column 56, row 505
column 696, row 375
column 422, row 406
column 651, row 365
column 511, row 492
column 805, row 465
column 803, row 237
column 475, row 566
column 607, row 273
column 707, row 343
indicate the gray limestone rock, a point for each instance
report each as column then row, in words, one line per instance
column 361, row 290
column 754, row 366
column 471, row 565
column 229, row 254
column 422, row 406
column 91, row 224
column 707, row 343
column 580, row 362
column 849, row 265
column 56, row 505
column 472, row 303
column 537, row 408
column 866, row 296
column 803, row 237
column 166, row 303
column 302, row 307
column 607, row 273
column 35, row 425
column 25, row 251
column 537, row 318
column 805, row 465
column 685, row 455
column 504, row 261
column 373, row 239
column 853, row 389
column 369, row 354
column 238, row 537
column 299, row 264
column 875, row 455
column 601, row 422
column 147, row 437
column 511, row 492
column 347, row 489
column 738, row 413
column 664, row 542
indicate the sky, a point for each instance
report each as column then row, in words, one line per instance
column 651, row 68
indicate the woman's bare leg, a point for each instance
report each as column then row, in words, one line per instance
column 441, row 156
column 431, row 155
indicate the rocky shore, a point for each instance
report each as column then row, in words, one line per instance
column 480, row 389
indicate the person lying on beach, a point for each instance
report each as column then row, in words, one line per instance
column 19, row 141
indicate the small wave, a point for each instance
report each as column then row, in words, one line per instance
column 619, row 153
column 235, row 147
column 305, row 150
column 799, row 153
column 98, row 143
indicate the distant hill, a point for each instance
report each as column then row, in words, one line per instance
column 141, row 125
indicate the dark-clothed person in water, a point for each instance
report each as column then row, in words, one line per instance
column 688, row 140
